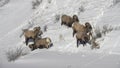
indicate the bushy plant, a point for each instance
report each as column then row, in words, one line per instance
column 57, row 18
column 115, row 2
column 14, row 53
column 49, row 1
column 3, row 2
column 45, row 28
column 36, row 3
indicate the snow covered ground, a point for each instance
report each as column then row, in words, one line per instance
column 18, row 15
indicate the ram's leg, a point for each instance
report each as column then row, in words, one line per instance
column 62, row 23
column 26, row 41
column 69, row 25
column 77, row 43
column 74, row 32
column 47, row 46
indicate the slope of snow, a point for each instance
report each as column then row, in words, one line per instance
column 13, row 19
column 45, row 59
column 64, row 53
column 13, row 16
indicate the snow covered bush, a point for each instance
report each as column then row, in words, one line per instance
column 14, row 53
column 116, row 2
column 45, row 28
column 49, row 1
column 3, row 2
column 107, row 29
column 98, row 33
column 95, row 44
column 102, row 31
column 36, row 3
column 57, row 18
column 81, row 9
column 61, row 37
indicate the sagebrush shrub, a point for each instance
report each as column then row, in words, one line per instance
column 14, row 53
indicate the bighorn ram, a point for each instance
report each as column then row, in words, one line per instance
column 83, row 33
column 42, row 42
column 82, row 38
column 68, row 21
column 32, row 34
column 77, row 27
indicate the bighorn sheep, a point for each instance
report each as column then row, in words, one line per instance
column 42, row 42
column 68, row 21
column 32, row 34
column 83, row 32
column 77, row 27
column 82, row 38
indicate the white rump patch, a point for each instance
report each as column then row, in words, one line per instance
column 73, row 24
column 48, row 40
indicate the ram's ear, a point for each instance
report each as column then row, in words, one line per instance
column 34, row 28
column 87, row 24
column 24, row 30
column 39, row 27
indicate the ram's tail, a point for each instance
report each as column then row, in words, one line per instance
column 23, row 30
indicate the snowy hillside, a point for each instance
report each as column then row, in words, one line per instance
column 18, row 15
column 13, row 16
